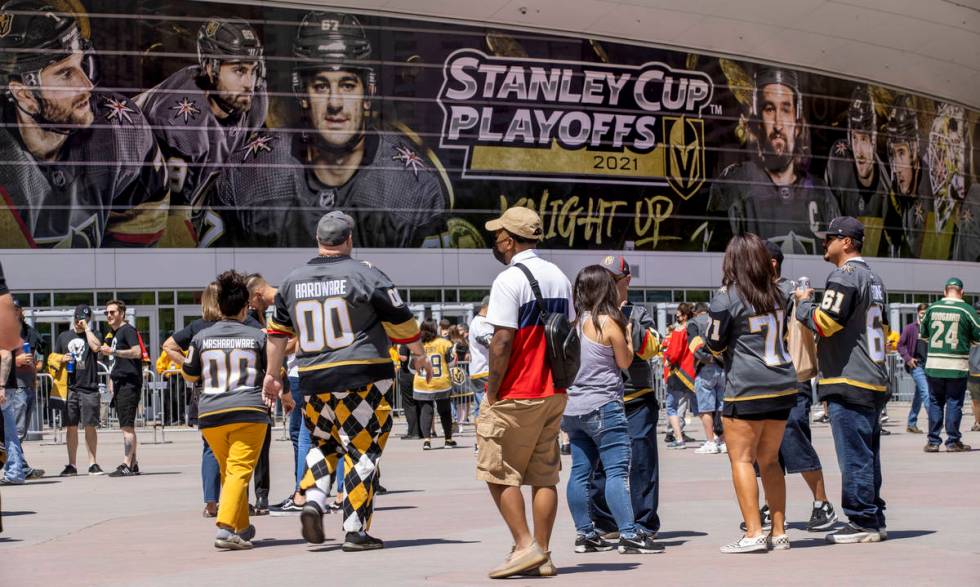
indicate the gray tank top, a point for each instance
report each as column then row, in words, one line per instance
column 599, row 380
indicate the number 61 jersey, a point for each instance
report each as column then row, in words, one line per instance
column 345, row 314
column 851, row 321
column 228, row 359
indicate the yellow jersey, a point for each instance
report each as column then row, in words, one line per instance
column 440, row 354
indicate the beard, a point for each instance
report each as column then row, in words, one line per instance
column 68, row 115
column 498, row 255
column 775, row 159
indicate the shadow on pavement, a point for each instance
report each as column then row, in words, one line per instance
column 157, row 473
column 395, row 507
column 397, row 491
column 424, row 542
column 7, row 514
column 597, row 568
column 34, row 482
column 900, row 534
column 4, row 540
column 268, row 542
column 679, row 534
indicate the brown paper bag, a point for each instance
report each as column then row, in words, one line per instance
column 802, row 346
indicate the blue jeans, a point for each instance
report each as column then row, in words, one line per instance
column 340, row 475
column 796, row 452
column 15, row 469
column 921, row 397
column 641, row 417
column 299, row 434
column 601, row 435
column 857, row 438
column 210, row 474
column 709, row 388
column 479, row 387
column 948, row 394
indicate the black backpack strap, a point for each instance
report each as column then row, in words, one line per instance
column 542, row 310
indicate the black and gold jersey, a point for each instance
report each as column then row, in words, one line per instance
column 346, row 314
column 851, row 324
column 440, row 354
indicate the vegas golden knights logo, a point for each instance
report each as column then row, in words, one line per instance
column 6, row 20
column 213, row 26
column 685, row 154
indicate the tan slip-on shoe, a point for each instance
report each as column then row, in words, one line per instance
column 519, row 561
column 548, row 569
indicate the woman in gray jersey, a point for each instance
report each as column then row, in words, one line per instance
column 747, row 329
column 595, row 417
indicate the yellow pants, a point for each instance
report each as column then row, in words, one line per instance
column 236, row 447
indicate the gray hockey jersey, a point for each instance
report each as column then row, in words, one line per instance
column 757, row 365
column 851, row 325
column 228, row 359
column 93, row 194
column 185, row 127
column 346, row 314
column 275, row 199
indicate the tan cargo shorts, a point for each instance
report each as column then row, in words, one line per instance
column 517, row 441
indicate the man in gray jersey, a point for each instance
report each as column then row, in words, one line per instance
column 202, row 117
column 346, row 314
column 340, row 162
column 851, row 323
column 79, row 168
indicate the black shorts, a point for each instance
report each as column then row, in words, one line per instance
column 83, row 408
column 126, row 396
column 763, row 410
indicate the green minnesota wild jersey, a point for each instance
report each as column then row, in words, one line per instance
column 346, row 314
column 852, row 327
column 949, row 327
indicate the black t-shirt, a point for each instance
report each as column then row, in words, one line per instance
column 184, row 336
column 120, row 340
column 26, row 374
column 86, row 375
column 3, row 283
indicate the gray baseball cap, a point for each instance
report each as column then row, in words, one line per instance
column 334, row 228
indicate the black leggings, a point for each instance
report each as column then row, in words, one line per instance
column 445, row 416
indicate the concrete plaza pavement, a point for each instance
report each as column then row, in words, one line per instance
column 441, row 527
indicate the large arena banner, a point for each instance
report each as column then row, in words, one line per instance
column 174, row 123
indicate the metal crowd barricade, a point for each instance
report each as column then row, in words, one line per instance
column 48, row 413
column 462, row 395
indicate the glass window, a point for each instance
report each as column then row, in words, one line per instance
column 24, row 299
column 473, row 295
column 167, row 322
column 658, row 295
column 103, row 297
column 896, row 298
column 697, row 295
column 188, row 298
column 449, row 295
column 41, row 300
column 138, row 298
column 425, row 295
column 635, row 295
column 165, row 297
column 72, row 298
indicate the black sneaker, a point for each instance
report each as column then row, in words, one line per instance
column 68, row 471
column 358, row 541
column 766, row 516
column 640, row 544
column 594, row 543
column 885, row 432
column 261, row 505
column 669, row 437
column 286, row 506
column 122, row 471
column 311, row 519
column 450, row 443
column 95, row 470
column 853, row 534
column 958, row 447
column 427, row 445
column 822, row 518
column 136, row 468
column 687, row 438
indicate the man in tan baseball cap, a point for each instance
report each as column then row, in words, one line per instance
column 517, row 229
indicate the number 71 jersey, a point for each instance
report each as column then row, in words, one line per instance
column 851, row 321
column 345, row 314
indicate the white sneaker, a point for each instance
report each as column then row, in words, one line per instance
column 723, row 448
column 708, row 448
column 746, row 544
column 780, row 542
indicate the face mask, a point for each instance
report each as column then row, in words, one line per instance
column 497, row 254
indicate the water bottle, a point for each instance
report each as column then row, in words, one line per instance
column 803, row 283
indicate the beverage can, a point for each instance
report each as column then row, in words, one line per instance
column 27, row 348
column 71, row 364
column 803, row 283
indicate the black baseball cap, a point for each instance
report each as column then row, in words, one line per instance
column 844, row 226
column 83, row 312
column 775, row 252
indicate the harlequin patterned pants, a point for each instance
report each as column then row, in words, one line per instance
column 352, row 424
